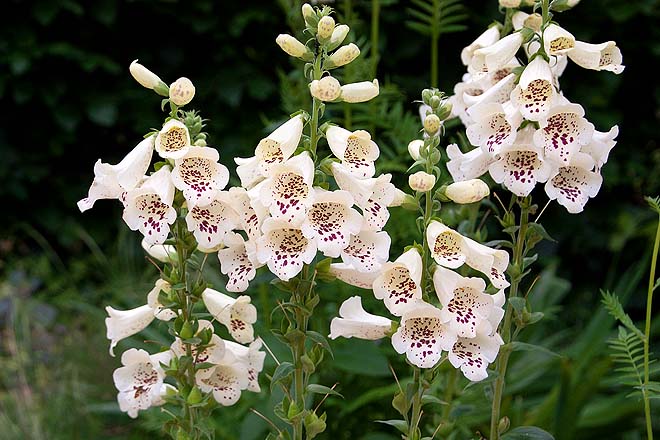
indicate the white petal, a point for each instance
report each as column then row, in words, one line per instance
column 603, row 56
column 360, row 92
column 225, row 381
column 487, row 38
column 474, row 355
column 399, row 284
column 173, row 140
column 153, row 302
column 573, row 185
column 199, row 175
column 446, row 245
column 354, row 321
column 467, row 166
column 284, row 249
column 557, row 40
column 600, row 146
column 562, row 132
column 252, row 358
column 237, row 315
column 121, row 324
column 535, row 94
column 211, row 223
column 235, row 262
column 367, row 251
column 352, row 276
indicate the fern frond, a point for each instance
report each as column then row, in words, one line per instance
column 654, row 203
column 614, row 307
column 436, row 17
column 628, row 355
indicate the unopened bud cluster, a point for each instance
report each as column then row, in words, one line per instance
column 180, row 92
column 436, row 109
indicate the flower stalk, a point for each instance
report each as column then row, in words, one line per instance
column 647, row 333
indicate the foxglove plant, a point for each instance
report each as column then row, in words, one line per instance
column 442, row 315
column 184, row 213
column 525, row 132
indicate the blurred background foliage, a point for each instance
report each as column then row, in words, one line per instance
column 68, row 99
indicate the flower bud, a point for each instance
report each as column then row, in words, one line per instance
column 338, row 36
column 414, row 148
column 342, row 56
column 426, row 95
column 182, row 91
column 144, row 76
column 469, row 191
column 325, row 89
column 308, row 13
column 360, row 92
column 431, row 124
column 510, row 3
column 292, row 46
column 325, row 28
column 421, row 181
column 435, row 101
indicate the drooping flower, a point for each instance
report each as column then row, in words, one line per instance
column 354, row 321
column 494, row 126
column 473, row 355
column 600, row 146
column 422, row 336
column 111, row 181
column 367, row 251
column 252, row 358
column 467, row 166
column 342, row 56
column 140, row 380
column 535, row 93
column 331, row 221
column 225, row 381
column 362, row 91
column 211, row 223
column 349, row 275
column 148, row 208
column 557, row 40
column 356, row 150
column 121, row 324
column 250, row 212
column 284, row 248
column 292, row 46
column 496, row 55
column 199, row 175
column 562, row 132
column 164, row 253
column 239, row 262
column 237, row 314
column 487, row 38
column 468, row 191
column 399, row 282
column 574, row 184
column 157, row 308
column 603, row 56
column 173, row 140
column 144, row 76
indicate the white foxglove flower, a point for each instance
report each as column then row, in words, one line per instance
column 164, row 253
column 494, row 127
column 349, row 275
column 140, row 380
column 342, row 56
column 144, row 76
column 496, row 55
column 288, row 192
column 284, row 248
column 468, row 191
column 173, row 140
column 535, row 93
column 467, row 166
column 422, row 336
column 211, row 223
column 421, row 181
column 487, row 38
column 292, row 46
column 120, row 324
column 521, row 165
column 199, row 175
column 237, row 314
column 499, row 92
column 399, row 283
column 360, row 92
column 331, row 221
column 473, row 355
column 600, row 146
column 356, row 150
column 465, row 305
column 276, row 148
column 367, row 251
column 250, row 212
column 239, row 262
column 182, row 91
column 111, row 181
column 451, row 249
column 148, row 208
column 354, row 321
column 325, row 27
column 338, row 35
column 225, row 381
column 522, row 19
column 557, row 40
column 158, row 310
column 252, row 358
column 215, row 352
column 573, row 185
column 603, row 56
column 325, row 89
column 562, row 132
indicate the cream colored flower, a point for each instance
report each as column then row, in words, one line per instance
column 468, row 191
column 421, row 181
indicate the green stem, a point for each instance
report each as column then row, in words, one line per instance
column 647, row 335
column 375, row 18
column 449, row 394
column 503, row 360
column 435, row 36
column 413, row 427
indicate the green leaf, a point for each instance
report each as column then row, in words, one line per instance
column 523, row 346
column 614, row 307
column 427, row 398
column 322, row 389
column 321, row 340
column 283, row 371
column 401, row 425
column 527, row 433
column 518, row 303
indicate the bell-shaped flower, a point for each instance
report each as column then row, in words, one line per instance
column 250, row 211
column 225, row 380
column 573, row 185
column 325, row 89
column 473, row 355
column 360, row 92
column 148, row 208
column 173, row 140
column 522, row 19
column 487, row 38
column 557, row 40
column 422, row 336
column 354, row 321
column 140, row 380
column 199, row 175
column 331, row 221
column 111, row 181
column 498, row 54
column 356, row 150
column 165, row 253
column 237, row 314
column 349, row 275
column 284, row 248
column 239, row 262
column 535, row 93
column 399, row 282
column 468, row 191
column 467, row 166
column 274, row 149
column 157, row 308
column 494, row 127
column 451, row 249
column 465, row 305
column 211, row 223
column 288, row 191
column 603, row 56
column 367, row 251
column 121, row 324
column 562, row 132
column 342, row 56
column 521, row 165
column 215, row 352
column 252, row 359
column 600, row 146
column 498, row 93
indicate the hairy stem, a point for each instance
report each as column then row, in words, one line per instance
column 647, row 335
